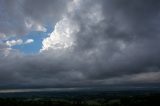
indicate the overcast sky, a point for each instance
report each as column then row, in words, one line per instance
column 79, row 43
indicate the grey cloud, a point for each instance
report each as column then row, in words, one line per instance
column 139, row 17
column 118, row 46
column 47, row 10
column 130, row 23
column 14, row 15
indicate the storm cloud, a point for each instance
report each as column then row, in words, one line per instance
column 19, row 17
column 93, row 43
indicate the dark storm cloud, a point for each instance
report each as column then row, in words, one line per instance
column 117, row 43
column 139, row 16
column 126, row 39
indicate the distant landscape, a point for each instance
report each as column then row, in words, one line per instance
column 82, row 98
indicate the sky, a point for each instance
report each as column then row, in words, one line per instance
column 79, row 43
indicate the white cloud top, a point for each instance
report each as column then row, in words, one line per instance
column 62, row 37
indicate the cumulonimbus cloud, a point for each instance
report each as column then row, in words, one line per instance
column 95, row 43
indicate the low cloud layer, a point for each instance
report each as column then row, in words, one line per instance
column 93, row 43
